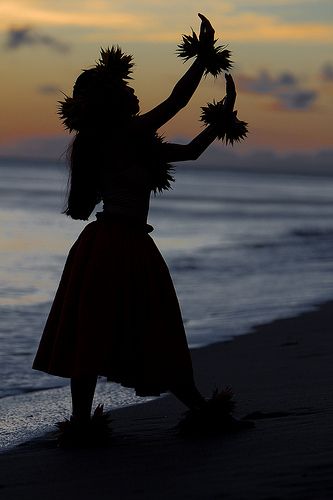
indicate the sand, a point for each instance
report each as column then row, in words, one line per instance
column 281, row 373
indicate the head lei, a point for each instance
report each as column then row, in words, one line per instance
column 112, row 69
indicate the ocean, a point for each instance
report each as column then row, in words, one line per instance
column 243, row 248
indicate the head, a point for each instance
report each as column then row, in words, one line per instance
column 101, row 95
column 104, row 99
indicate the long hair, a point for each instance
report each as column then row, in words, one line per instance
column 101, row 108
column 83, row 192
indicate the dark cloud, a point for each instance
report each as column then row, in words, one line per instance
column 50, row 147
column 285, row 89
column 298, row 99
column 48, row 89
column 264, row 83
column 327, row 72
column 316, row 162
column 287, row 79
column 27, row 36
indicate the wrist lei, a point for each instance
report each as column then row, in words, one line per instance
column 229, row 128
column 216, row 58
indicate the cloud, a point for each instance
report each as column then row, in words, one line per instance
column 313, row 162
column 27, row 36
column 48, row 89
column 299, row 99
column 49, row 147
column 72, row 13
column 155, row 21
column 327, row 72
column 266, row 160
column 284, row 89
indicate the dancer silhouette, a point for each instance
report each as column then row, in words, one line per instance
column 116, row 313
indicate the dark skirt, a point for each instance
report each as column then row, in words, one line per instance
column 116, row 313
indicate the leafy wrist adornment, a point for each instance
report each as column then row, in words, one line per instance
column 216, row 58
column 228, row 128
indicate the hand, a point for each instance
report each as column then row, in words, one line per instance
column 230, row 98
column 207, row 31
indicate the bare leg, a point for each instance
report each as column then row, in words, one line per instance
column 189, row 396
column 83, row 389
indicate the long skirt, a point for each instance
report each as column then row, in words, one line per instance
column 116, row 313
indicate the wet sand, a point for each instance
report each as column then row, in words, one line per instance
column 281, row 373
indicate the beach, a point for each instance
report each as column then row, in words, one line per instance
column 243, row 249
column 281, row 374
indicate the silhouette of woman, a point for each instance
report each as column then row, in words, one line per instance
column 116, row 313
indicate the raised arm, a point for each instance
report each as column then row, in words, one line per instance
column 184, row 89
column 178, row 98
column 184, row 152
column 192, row 151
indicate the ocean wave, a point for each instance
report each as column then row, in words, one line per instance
column 313, row 232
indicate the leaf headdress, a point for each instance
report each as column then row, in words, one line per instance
column 114, row 64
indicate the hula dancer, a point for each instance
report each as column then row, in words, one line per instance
column 115, row 313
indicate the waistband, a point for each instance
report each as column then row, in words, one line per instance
column 125, row 220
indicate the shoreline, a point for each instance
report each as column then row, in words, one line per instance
column 30, row 415
column 281, row 373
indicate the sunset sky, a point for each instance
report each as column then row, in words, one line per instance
column 282, row 51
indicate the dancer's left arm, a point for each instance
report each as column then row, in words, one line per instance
column 192, row 151
column 183, row 152
column 184, row 88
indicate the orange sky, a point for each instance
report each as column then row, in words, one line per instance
column 282, row 52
